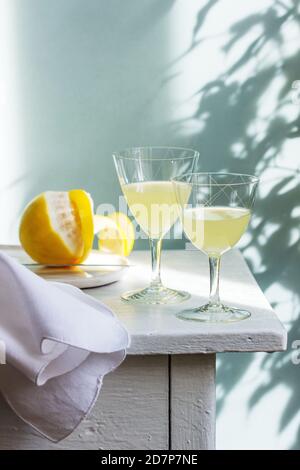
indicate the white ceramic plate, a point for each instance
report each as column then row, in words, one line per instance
column 97, row 270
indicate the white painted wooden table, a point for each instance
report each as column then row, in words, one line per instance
column 163, row 395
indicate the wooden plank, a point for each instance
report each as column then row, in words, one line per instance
column 157, row 330
column 134, row 410
column 192, row 402
column 131, row 413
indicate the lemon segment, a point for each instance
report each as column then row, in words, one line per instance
column 112, row 241
column 123, row 221
column 115, row 233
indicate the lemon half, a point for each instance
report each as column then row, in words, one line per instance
column 57, row 227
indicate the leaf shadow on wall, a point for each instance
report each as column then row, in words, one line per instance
column 227, row 108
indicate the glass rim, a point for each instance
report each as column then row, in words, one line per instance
column 252, row 178
column 118, row 154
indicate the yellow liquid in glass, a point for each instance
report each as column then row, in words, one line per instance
column 215, row 230
column 154, row 205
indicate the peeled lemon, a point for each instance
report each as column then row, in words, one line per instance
column 57, row 227
column 115, row 233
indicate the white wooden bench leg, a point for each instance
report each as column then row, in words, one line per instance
column 192, row 401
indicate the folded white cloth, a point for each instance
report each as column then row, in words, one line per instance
column 59, row 344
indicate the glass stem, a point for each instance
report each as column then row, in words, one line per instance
column 214, row 272
column 155, row 247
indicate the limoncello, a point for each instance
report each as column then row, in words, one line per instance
column 154, row 205
column 215, row 230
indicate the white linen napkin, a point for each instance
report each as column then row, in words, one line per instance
column 59, row 345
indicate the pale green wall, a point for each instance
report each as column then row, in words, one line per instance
column 84, row 77
column 89, row 78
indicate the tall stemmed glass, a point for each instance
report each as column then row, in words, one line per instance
column 214, row 219
column 145, row 175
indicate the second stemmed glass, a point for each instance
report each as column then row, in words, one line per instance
column 145, row 175
column 214, row 219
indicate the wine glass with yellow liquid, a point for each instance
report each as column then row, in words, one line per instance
column 145, row 175
column 214, row 218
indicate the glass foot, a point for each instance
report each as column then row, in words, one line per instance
column 209, row 314
column 155, row 295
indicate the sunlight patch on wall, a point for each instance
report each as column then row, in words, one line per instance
column 12, row 168
column 287, row 305
column 196, row 60
column 267, row 409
